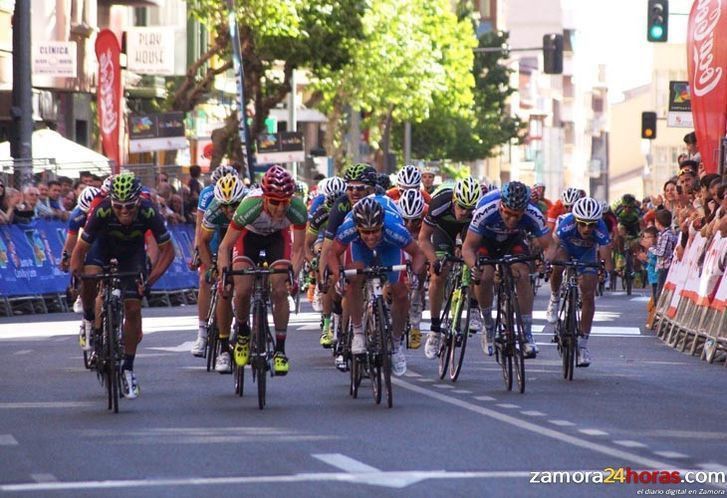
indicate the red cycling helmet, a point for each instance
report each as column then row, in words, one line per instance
column 277, row 183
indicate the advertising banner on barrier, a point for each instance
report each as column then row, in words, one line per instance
column 29, row 257
column 720, row 299
column 691, row 286
column 682, row 272
column 715, row 258
column 178, row 275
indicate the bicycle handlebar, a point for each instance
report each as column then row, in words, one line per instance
column 575, row 264
column 106, row 276
column 507, row 260
column 375, row 270
column 255, row 272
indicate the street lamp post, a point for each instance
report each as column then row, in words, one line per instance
column 22, row 109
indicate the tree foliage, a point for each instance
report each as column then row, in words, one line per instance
column 276, row 38
column 412, row 54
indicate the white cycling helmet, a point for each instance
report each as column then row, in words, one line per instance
column 86, row 197
column 221, row 171
column 229, row 189
column 106, row 185
column 411, row 204
column 409, row 177
column 570, row 196
column 587, row 209
column 334, row 188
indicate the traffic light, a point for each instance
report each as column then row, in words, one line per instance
column 648, row 125
column 657, row 28
column 553, row 53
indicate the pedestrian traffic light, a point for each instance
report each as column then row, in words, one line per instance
column 553, row 53
column 657, row 28
column 648, row 125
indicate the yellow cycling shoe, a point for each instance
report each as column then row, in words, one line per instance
column 327, row 337
column 415, row 338
column 280, row 363
column 242, row 350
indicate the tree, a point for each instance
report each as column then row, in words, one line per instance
column 413, row 52
column 477, row 132
column 276, row 38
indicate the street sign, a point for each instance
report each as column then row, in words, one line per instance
column 680, row 105
column 150, row 50
column 57, row 59
column 285, row 147
column 152, row 132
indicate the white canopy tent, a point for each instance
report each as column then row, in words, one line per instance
column 51, row 151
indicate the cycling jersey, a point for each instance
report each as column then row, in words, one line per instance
column 488, row 223
column 214, row 218
column 395, row 194
column 342, row 206
column 584, row 250
column 76, row 220
column 318, row 201
column 205, row 198
column 394, row 238
column 318, row 219
column 629, row 216
column 251, row 216
column 556, row 209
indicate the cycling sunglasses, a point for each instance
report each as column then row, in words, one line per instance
column 510, row 212
column 124, row 205
column 369, row 231
column 356, row 188
column 278, row 202
column 589, row 224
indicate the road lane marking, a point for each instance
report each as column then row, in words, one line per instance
column 593, row 432
column 8, row 440
column 561, row 423
column 630, row 444
column 44, row 477
column 485, row 398
column 344, row 463
column 22, row 352
column 538, row 429
column 462, row 391
column 45, row 404
column 533, row 413
column 507, row 405
column 671, row 454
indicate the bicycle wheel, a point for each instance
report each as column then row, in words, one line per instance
column 213, row 338
column 629, row 273
column 356, row 375
column 386, row 348
column 260, row 359
column 517, row 343
column 239, row 380
column 445, row 335
column 460, row 332
column 503, row 342
column 113, row 355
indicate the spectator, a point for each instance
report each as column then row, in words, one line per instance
column 3, row 205
column 690, row 140
column 66, row 185
column 43, row 194
column 648, row 240
column 176, row 204
column 69, row 201
column 195, row 183
column 13, row 197
column 26, row 211
column 55, row 202
column 86, row 178
column 664, row 248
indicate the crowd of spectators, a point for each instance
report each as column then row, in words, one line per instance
column 55, row 199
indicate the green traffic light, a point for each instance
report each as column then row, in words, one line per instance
column 657, row 32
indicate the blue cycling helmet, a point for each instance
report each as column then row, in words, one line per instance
column 515, row 196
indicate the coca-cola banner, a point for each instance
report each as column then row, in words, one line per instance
column 108, row 99
column 707, row 62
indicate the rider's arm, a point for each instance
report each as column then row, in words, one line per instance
column 425, row 242
column 548, row 244
column 418, row 259
column 79, row 256
column 604, row 252
column 203, row 244
column 470, row 248
column 297, row 251
column 228, row 243
column 336, row 249
column 310, row 240
column 165, row 258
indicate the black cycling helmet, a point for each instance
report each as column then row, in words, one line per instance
column 515, row 196
column 368, row 214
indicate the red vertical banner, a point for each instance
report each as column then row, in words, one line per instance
column 707, row 63
column 108, row 99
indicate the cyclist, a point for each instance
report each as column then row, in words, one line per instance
column 582, row 235
column 428, row 179
column 262, row 223
column 537, row 196
column 317, row 221
column 203, row 293
column 117, row 226
column 563, row 205
column 229, row 191
column 383, row 182
column 450, row 213
column 629, row 217
column 76, row 221
column 409, row 177
column 370, row 226
column 498, row 228
column 413, row 209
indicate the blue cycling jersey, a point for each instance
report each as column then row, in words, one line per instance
column 317, row 202
column 395, row 234
column 205, row 198
column 572, row 240
column 76, row 220
column 488, row 223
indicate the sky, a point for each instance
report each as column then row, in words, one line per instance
column 613, row 32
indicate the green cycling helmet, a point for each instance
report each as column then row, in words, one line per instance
column 356, row 172
column 125, row 187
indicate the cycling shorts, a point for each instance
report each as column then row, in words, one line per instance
column 133, row 260
column 514, row 245
column 277, row 246
column 389, row 255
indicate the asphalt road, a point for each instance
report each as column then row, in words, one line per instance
column 640, row 405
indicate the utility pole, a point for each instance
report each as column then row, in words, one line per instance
column 22, row 108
